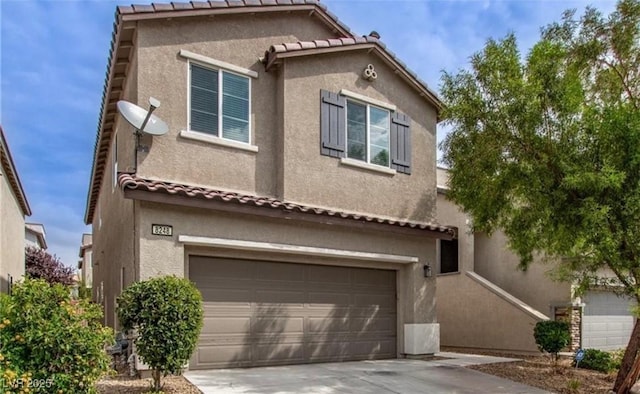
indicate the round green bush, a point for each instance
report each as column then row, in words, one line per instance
column 552, row 336
column 167, row 314
column 597, row 360
column 50, row 343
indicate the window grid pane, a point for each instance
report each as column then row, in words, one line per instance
column 356, row 131
column 368, row 133
column 204, row 100
column 235, row 107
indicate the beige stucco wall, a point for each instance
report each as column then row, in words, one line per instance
column 449, row 214
column 320, row 180
column 161, row 255
column 472, row 316
column 31, row 239
column 12, row 231
column 494, row 261
column 113, row 221
column 87, row 268
column 239, row 40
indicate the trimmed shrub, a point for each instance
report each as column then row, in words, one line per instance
column 167, row 314
column 552, row 336
column 50, row 343
column 597, row 360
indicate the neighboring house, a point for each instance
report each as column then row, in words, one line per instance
column 485, row 301
column 296, row 185
column 13, row 209
column 85, row 265
column 35, row 236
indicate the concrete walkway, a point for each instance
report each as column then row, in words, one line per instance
column 363, row 377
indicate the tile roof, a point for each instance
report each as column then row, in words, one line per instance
column 204, row 6
column 134, row 182
column 12, row 175
column 353, row 42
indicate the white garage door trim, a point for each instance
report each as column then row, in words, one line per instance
column 294, row 249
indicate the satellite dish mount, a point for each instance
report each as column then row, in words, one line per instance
column 143, row 122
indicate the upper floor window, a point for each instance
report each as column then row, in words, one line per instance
column 365, row 131
column 219, row 103
column 368, row 133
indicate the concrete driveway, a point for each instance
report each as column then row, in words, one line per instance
column 379, row 377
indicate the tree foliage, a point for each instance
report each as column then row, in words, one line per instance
column 546, row 147
column 40, row 264
column 50, row 343
column 167, row 314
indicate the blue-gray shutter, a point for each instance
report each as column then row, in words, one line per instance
column 333, row 129
column 401, row 143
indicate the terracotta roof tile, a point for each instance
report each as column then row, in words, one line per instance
column 200, row 4
column 133, row 182
column 143, row 8
column 162, row 7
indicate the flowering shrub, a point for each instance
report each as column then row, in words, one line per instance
column 50, row 343
column 41, row 265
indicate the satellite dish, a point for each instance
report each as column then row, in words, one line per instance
column 143, row 120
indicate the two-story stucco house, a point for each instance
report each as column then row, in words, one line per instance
column 486, row 302
column 35, row 235
column 296, row 185
column 13, row 209
column 85, row 261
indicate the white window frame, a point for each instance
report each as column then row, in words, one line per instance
column 353, row 97
column 217, row 66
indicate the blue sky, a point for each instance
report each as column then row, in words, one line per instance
column 53, row 57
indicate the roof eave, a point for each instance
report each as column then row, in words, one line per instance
column 177, row 194
column 275, row 58
column 14, row 179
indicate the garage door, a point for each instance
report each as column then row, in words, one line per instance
column 607, row 322
column 265, row 313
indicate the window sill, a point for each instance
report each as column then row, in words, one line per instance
column 196, row 136
column 367, row 166
column 449, row 273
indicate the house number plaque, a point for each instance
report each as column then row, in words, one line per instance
column 162, row 229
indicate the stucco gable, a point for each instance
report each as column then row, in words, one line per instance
column 276, row 53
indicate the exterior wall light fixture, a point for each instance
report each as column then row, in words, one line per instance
column 427, row 270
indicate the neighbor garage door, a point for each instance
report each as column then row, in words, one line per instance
column 266, row 313
column 607, row 321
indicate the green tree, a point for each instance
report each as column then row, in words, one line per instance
column 167, row 313
column 547, row 148
column 552, row 336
